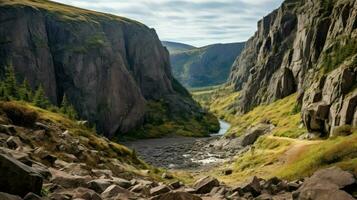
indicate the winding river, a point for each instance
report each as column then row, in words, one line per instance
column 180, row 152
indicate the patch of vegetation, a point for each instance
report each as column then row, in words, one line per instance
column 10, row 90
column 261, row 160
column 64, row 12
column 19, row 114
column 160, row 122
column 338, row 54
column 280, row 113
column 340, row 151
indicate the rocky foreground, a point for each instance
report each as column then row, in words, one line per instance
column 48, row 160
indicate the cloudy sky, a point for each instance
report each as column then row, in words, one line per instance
column 195, row 22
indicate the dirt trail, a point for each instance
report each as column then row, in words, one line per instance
column 297, row 147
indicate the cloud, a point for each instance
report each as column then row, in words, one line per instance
column 195, row 22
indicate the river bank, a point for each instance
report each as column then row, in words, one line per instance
column 178, row 152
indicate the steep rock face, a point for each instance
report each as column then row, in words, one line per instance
column 108, row 66
column 307, row 47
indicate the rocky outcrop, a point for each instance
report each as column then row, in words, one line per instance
column 18, row 178
column 107, row 66
column 307, row 47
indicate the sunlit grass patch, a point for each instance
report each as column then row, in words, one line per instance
column 340, row 151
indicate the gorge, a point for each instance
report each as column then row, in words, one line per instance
column 90, row 108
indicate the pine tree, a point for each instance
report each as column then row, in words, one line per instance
column 68, row 109
column 25, row 91
column 40, row 98
column 10, row 84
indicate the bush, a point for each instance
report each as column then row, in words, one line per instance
column 18, row 114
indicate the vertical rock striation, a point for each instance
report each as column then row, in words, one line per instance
column 108, row 66
column 308, row 47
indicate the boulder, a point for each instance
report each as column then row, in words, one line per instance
column 252, row 187
column 167, row 176
column 205, row 185
column 142, row 189
column 161, row 189
column 175, row 185
column 13, row 142
column 99, row 185
column 121, row 182
column 227, row 172
column 326, row 184
column 68, row 181
column 117, row 192
column 254, row 133
column 5, row 196
column 177, row 196
column 32, row 196
column 85, row 193
column 18, row 178
column 315, row 116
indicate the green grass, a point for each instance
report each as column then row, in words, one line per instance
column 64, row 12
column 340, row 151
column 159, row 122
column 282, row 113
column 338, row 54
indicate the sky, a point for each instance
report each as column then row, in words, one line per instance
column 194, row 22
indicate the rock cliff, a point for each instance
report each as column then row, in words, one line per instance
column 307, row 47
column 108, row 66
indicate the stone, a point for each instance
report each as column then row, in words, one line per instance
column 67, row 180
column 252, row 187
column 140, row 188
column 6, row 196
column 227, row 172
column 41, row 126
column 99, row 185
column 326, row 184
column 178, row 196
column 45, row 155
column 18, row 178
column 167, row 176
column 114, row 191
column 205, row 185
column 13, row 142
column 85, row 193
column 334, row 175
column 161, row 189
column 254, row 133
column 32, row 196
column 175, row 185
column 121, row 182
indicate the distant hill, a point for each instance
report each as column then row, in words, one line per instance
column 205, row 66
column 175, row 47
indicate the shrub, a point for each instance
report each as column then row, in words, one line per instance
column 18, row 114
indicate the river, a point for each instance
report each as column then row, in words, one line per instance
column 181, row 152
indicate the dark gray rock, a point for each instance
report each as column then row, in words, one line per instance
column 18, row 178
column 205, row 185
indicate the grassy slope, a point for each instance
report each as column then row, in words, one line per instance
column 131, row 165
column 279, row 153
column 65, row 12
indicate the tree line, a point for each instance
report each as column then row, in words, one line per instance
column 11, row 90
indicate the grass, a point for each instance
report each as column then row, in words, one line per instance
column 159, row 122
column 338, row 54
column 281, row 113
column 65, row 12
column 339, row 151
column 262, row 161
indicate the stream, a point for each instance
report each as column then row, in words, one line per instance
column 179, row 152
